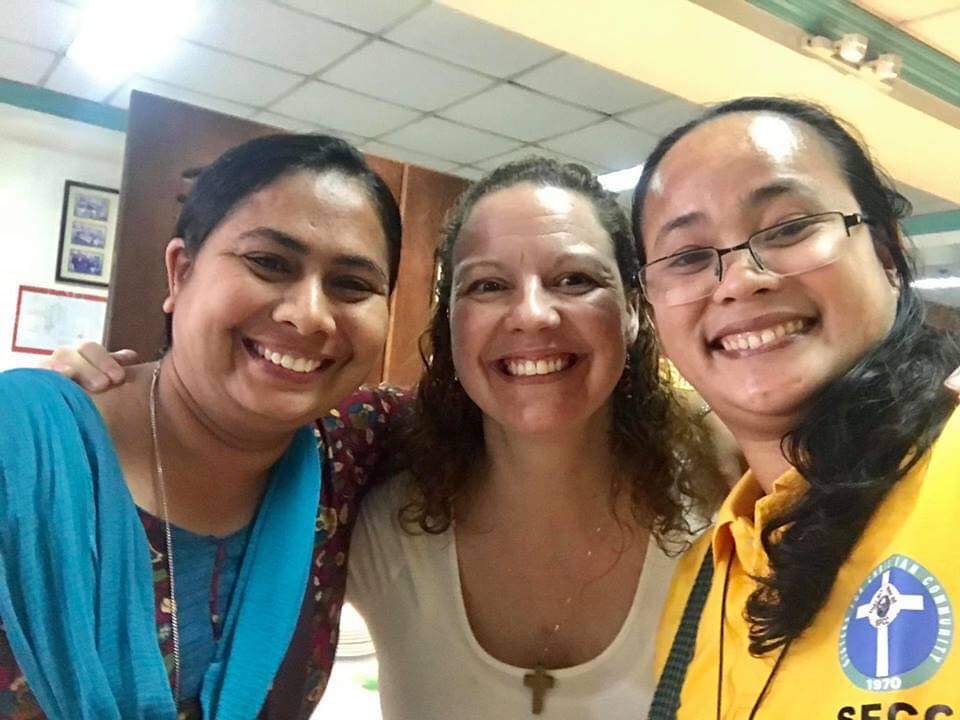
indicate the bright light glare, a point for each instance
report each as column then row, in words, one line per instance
column 621, row 180
column 937, row 283
column 118, row 38
column 852, row 47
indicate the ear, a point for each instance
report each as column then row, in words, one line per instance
column 179, row 263
column 633, row 321
column 886, row 260
column 893, row 277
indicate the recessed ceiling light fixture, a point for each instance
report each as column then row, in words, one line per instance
column 946, row 282
column 849, row 54
column 118, row 38
column 620, row 180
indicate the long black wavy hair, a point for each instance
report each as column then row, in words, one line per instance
column 862, row 431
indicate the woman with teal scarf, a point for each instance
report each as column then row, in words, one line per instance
column 116, row 511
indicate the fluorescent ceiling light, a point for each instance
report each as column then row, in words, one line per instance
column 947, row 282
column 117, row 38
column 621, row 180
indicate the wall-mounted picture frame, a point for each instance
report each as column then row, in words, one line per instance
column 88, row 226
column 47, row 319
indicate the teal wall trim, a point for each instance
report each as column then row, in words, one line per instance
column 923, row 66
column 66, row 106
column 933, row 223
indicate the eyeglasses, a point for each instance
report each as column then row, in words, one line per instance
column 790, row 248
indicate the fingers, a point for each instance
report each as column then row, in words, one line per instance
column 97, row 356
column 71, row 363
column 125, row 357
column 90, row 365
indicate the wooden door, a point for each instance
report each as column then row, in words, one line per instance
column 167, row 143
column 427, row 195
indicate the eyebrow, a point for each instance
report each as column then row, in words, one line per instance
column 357, row 262
column 472, row 264
column 360, row 262
column 681, row 221
column 281, row 238
column 468, row 265
column 773, row 190
column 757, row 197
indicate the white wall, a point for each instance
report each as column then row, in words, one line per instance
column 38, row 152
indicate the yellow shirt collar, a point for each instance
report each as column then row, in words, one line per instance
column 745, row 512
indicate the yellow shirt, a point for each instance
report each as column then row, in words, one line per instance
column 881, row 648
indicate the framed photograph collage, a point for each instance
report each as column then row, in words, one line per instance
column 87, row 230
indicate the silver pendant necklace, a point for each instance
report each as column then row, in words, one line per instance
column 161, row 491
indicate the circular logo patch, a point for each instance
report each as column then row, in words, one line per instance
column 899, row 628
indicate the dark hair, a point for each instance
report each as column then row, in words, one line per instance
column 650, row 433
column 251, row 166
column 857, row 431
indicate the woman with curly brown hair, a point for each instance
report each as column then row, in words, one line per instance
column 548, row 460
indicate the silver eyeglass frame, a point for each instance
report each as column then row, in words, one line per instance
column 850, row 220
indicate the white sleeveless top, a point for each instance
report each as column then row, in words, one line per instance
column 407, row 587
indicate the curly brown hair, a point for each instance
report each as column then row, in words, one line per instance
column 651, row 434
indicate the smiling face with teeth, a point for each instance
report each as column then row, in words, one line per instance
column 540, row 320
column 283, row 310
column 761, row 345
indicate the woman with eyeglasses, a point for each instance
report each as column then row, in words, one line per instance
column 776, row 275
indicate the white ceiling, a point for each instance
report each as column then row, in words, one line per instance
column 934, row 22
column 406, row 79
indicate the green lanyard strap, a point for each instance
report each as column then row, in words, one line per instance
column 666, row 698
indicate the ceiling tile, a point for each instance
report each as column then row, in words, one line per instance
column 609, row 144
column 584, row 83
column 341, row 109
column 445, row 139
column 22, row 63
column 293, row 125
column 408, row 156
column 272, row 34
column 451, row 35
column 121, row 98
column 69, row 78
column 370, row 15
column 402, row 76
column 663, row 117
column 281, row 121
column 900, row 10
column 43, row 23
column 529, row 150
column 520, row 113
column 208, row 71
column 941, row 32
column 469, row 172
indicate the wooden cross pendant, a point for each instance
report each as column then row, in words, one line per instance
column 539, row 681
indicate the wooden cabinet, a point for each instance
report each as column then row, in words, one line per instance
column 167, row 143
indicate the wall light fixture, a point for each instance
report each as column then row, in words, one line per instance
column 849, row 55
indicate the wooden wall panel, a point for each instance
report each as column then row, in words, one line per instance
column 427, row 195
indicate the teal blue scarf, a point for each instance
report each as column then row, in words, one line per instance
column 76, row 587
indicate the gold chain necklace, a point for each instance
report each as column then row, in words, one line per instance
column 539, row 680
column 161, row 490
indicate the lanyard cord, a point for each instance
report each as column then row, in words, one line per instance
column 723, row 619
